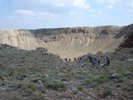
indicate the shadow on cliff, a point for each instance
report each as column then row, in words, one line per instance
column 128, row 43
column 125, row 31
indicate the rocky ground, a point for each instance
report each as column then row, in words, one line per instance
column 39, row 75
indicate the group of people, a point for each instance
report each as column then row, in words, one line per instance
column 96, row 62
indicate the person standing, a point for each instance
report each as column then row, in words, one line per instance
column 106, row 63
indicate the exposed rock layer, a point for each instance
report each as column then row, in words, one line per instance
column 68, row 42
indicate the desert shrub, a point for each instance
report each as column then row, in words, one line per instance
column 119, row 71
column 19, row 77
column 115, row 53
column 107, row 91
column 26, row 86
column 120, row 80
column 122, row 59
column 75, row 92
column 101, row 80
column 23, row 75
column 10, row 73
column 37, row 96
column 128, row 86
column 29, row 91
column 12, row 85
column 44, row 80
column 20, row 84
column 80, row 88
column 94, row 84
column 32, row 86
column 4, row 73
column 83, row 73
column 17, row 98
column 80, row 76
column 56, row 85
column 1, row 65
column 85, row 81
column 64, row 79
column 67, row 75
column 131, row 51
column 35, row 80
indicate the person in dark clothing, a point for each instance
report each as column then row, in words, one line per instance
column 106, row 63
column 74, row 58
column 94, row 61
column 65, row 59
column 98, row 64
column 90, row 58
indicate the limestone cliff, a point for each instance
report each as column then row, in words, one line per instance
column 68, row 42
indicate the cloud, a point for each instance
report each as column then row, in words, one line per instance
column 81, row 4
column 25, row 12
column 29, row 14
column 55, row 13
column 49, row 4
column 75, row 13
column 108, row 1
column 99, row 14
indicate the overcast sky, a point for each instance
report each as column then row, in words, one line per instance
column 33, row 14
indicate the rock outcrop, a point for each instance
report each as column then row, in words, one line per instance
column 68, row 42
column 128, row 43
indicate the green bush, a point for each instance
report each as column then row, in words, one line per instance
column 44, row 80
column 80, row 76
column 20, row 84
column 67, row 75
column 56, row 85
column 75, row 92
column 26, row 86
column 36, row 80
column 107, row 91
column 29, row 91
column 17, row 98
column 80, row 88
column 4, row 73
column 37, row 96
column 83, row 73
column 101, row 80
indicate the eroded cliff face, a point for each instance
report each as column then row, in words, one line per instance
column 68, row 42
column 20, row 38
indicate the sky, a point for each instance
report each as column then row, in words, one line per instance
column 34, row 14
